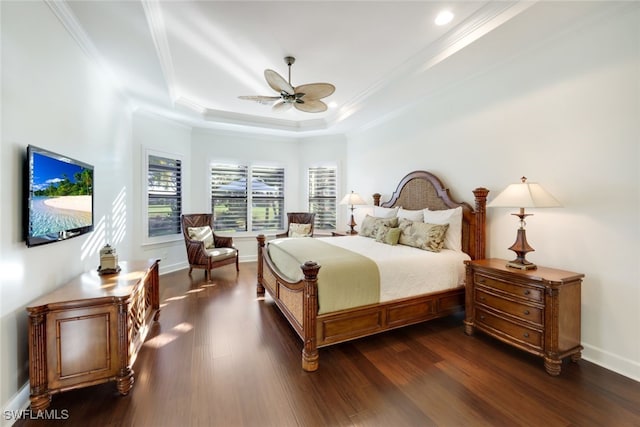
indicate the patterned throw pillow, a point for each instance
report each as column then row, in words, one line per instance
column 203, row 234
column 422, row 235
column 299, row 230
column 371, row 224
column 388, row 235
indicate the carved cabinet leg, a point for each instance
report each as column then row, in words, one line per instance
column 39, row 396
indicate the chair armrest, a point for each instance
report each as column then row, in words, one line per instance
column 222, row 242
column 280, row 235
column 196, row 252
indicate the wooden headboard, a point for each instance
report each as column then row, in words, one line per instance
column 421, row 189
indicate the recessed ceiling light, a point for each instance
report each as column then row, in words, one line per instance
column 444, row 17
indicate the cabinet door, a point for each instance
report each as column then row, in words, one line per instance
column 82, row 346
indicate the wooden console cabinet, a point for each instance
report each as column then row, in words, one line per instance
column 537, row 311
column 89, row 330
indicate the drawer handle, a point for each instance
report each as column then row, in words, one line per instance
column 526, row 312
column 526, row 334
column 481, row 280
column 481, row 298
column 527, row 292
column 482, row 317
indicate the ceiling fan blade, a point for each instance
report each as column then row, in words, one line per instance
column 261, row 99
column 277, row 82
column 315, row 91
column 281, row 106
column 311, row 106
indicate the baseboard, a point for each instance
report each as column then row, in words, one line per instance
column 628, row 368
column 15, row 407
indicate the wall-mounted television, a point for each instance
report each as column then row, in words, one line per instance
column 59, row 199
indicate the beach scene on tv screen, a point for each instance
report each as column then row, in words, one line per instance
column 60, row 196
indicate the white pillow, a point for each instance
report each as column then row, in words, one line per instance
column 411, row 215
column 380, row 212
column 299, row 230
column 453, row 217
column 203, row 234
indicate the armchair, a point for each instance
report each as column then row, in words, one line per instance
column 298, row 218
column 205, row 249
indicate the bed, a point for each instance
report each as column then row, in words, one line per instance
column 298, row 298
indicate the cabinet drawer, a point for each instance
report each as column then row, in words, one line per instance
column 521, row 311
column 525, row 335
column 521, row 291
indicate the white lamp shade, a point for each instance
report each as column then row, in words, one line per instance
column 524, row 195
column 352, row 199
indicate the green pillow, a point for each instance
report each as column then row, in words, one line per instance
column 388, row 235
column 422, row 235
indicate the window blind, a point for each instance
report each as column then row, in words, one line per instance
column 323, row 196
column 164, row 190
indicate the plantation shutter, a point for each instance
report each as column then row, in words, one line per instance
column 322, row 196
column 229, row 197
column 164, row 189
column 267, row 192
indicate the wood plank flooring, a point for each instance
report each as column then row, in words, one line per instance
column 219, row 356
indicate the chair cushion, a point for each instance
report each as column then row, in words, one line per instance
column 203, row 234
column 219, row 254
column 299, row 230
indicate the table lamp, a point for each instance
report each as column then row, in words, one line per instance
column 352, row 199
column 523, row 195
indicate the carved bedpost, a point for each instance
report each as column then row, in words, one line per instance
column 260, row 286
column 310, row 310
column 376, row 199
column 480, row 214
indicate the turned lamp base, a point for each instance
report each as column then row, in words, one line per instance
column 521, row 247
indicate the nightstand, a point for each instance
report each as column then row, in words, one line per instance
column 537, row 311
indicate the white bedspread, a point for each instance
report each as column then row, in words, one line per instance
column 407, row 271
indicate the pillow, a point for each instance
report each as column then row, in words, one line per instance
column 388, row 235
column 299, row 230
column 371, row 225
column 203, row 234
column 411, row 215
column 453, row 217
column 380, row 212
column 422, row 235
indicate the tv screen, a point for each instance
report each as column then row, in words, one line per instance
column 59, row 197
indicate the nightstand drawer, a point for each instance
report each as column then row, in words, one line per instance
column 513, row 331
column 521, row 311
column 526, row 292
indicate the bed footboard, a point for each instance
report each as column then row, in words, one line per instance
column 298, row 301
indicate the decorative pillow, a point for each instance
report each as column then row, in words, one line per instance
column 299, row 230
column 371, row 225
column 388, row 235
column 203, row 234
column 453, row 217
column 411, row 215
column 422, row 235
column 380, row 212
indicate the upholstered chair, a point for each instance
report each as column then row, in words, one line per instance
column 205, row 249
column 294, row 222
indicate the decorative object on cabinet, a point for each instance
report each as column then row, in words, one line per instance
column 352, row 199
column 108, row 260
column 90, row 330
column 523, row 195
column 535, row 311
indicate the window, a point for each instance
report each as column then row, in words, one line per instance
column 164, row 195
column 322, row 196
column 247, row 198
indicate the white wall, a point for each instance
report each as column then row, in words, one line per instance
column 55, row 98
column 565, row 113
column 164, row 137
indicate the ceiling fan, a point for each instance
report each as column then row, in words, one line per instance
column 304, row 97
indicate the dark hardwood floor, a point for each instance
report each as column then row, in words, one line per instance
column 221, row 357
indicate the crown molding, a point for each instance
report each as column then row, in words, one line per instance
column 155, row 20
